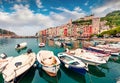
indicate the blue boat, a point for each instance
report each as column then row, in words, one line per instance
column 72, row 63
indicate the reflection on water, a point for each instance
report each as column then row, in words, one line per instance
column 19, row 50
column 48, row 78
column 75, row 76
column 1, row 78
column 115, row 59
column 5, row 41
column 28, row 75
column 94, row 70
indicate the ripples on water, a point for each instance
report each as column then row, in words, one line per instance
column 106, row 73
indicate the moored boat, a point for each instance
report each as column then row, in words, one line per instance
column 60, row 44
column 104, row 50
column 41, row 44
column 18, row 65
column 88, row 57
column 73, row 63
column 50, row 63
column 21, row 46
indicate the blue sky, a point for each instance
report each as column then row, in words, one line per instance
column 26, row 17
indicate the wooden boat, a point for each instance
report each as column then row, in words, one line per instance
column 73, row 63
column 21, row 46
column 18, row 65
column 88, row 57
column 50, row 63
column 41, row 44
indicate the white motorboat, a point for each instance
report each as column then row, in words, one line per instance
column 50, row 63
column 100, row 49
column 73, row 63
column 60, row 44
column 21, row 46
column 18, row 65
column 88, row 57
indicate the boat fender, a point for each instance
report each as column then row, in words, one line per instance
column 29, row 51
column 3, row 56
column 67, row 66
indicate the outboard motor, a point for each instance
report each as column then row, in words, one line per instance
column 29, row 51
column 3, row 56
column 18, row 45
column 62, row 45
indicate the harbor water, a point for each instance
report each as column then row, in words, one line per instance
column 106, row 73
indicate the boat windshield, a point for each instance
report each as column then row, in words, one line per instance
column 66, row 58
column 74, row 63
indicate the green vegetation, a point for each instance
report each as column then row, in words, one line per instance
column 113, row 19
column 113, row 32
column 6, row 32
column 82, row 22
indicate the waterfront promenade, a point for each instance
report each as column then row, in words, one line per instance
column 109, row 39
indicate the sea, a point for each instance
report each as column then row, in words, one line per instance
column 106, row 73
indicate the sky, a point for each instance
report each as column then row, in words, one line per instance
column 27, row 17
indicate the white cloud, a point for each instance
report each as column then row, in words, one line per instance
column 78, row 9
column 107, row 7
column 74, row 14
column 39, row 4
column 24, row 21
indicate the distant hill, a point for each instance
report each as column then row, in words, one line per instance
column 6, row 32
column 112, row 18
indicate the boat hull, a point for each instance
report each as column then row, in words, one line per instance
column 51, row 71
column 78, row 70
column 18, row 65
column 50, row 68
column 89, row 62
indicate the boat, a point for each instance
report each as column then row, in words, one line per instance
column 18, row 65
column 72, row 63
column 87, row 57
column 60, row 44
column 49, row 62
column 4, row 60
column 21, row 46
column 104, row 50
column 41, row 44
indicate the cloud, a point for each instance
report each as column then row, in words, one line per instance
column 24, row 21
column 76, row 13
column 39, row 4
column 107, row 7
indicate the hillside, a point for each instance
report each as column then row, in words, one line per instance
column 113, row 18
column 6, row 32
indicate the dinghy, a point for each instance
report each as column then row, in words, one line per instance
column 50, row 63
column 21, row 46
column 41, row 44
column 72, row 63
column 18, row 65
